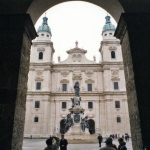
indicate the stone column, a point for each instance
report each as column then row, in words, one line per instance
column 16, row 32
column 134, row 32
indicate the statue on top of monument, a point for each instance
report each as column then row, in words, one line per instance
column 84, row 123
column 68, row 123
column 76, row 100
column 77, row 89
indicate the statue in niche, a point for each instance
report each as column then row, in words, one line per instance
column 58, row 89
column 84, row 123
column 77, row 89
column 68, row 123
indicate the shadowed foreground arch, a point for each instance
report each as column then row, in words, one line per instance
column 17, row 31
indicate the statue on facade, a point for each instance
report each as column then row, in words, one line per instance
column 84, row 123
column 76, row 102
column 68, row 123
column 77, row 89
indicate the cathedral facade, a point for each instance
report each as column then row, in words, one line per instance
column 102, row 86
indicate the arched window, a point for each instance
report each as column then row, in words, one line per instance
column 40, row 55
column 113, row 55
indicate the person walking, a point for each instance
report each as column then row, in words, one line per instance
column 100, row 138
column 122, row 144
column 108, row 145
column 63, row 143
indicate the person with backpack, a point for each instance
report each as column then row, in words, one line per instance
column 100, row 139
column 122, row 144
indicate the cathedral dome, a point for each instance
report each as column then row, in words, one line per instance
column 44, row 26
column 108, row 25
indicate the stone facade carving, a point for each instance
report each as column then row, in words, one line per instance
column 39, row 78
column 77, row 57
column 112, row 48
column 40, row 49
column 89, row 81
column 115, row 74
column 39, row 72
column 64, row 81
column 89, row 73
column 77, row 76
column 64, row 73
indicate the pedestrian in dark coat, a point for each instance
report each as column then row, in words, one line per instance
column 63, row 143
column 100, row 138
column 122, row 145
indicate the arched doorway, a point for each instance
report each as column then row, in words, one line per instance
column 91, row 126
column 62, row 126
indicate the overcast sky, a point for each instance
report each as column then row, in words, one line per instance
column 76, row 21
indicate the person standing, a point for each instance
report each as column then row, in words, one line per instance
column 108, row 145
column 63, row 143
column 122, row 145
column 100, row 138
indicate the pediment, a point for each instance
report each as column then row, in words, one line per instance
column 76, row 50
column 64, row 81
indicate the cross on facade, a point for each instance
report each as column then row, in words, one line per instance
column 76, row 43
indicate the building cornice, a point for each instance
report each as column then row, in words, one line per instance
column 72, row 94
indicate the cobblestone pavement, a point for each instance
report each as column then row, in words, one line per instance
column 39, row 144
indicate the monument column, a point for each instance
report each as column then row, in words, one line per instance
column 17, row 32
column 134, row 32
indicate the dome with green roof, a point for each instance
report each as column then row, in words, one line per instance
column 108, row 25
column 44, row 26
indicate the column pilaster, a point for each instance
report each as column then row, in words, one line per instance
column 134, row 32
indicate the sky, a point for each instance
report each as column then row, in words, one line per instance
column 75, row 21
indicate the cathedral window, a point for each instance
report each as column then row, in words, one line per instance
column 42, row 34
column 47, row 35
column 38, row 85
column 118, row 119
column 64, row 87
column 64, row 105
column 116, row 87
column 113, row 55
column 37, row 104
column 110, row 33
column 40, row 55
column 36, row 119
column 117, row 104
column 90, row 105
column 89, row 87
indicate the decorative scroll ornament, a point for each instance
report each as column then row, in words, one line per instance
column 112, row 48
column 115, row 74
column 64, row 73
column 64, row 81
column 89, row 81
column 76, row 57
column 41, row 49
column 39, row 79
column 77, row 76
column 39, row 72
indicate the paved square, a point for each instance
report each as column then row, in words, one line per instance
column 39, row 144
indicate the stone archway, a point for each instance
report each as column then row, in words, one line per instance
column 15, row 62
column 38, row 7
column 91, row 126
